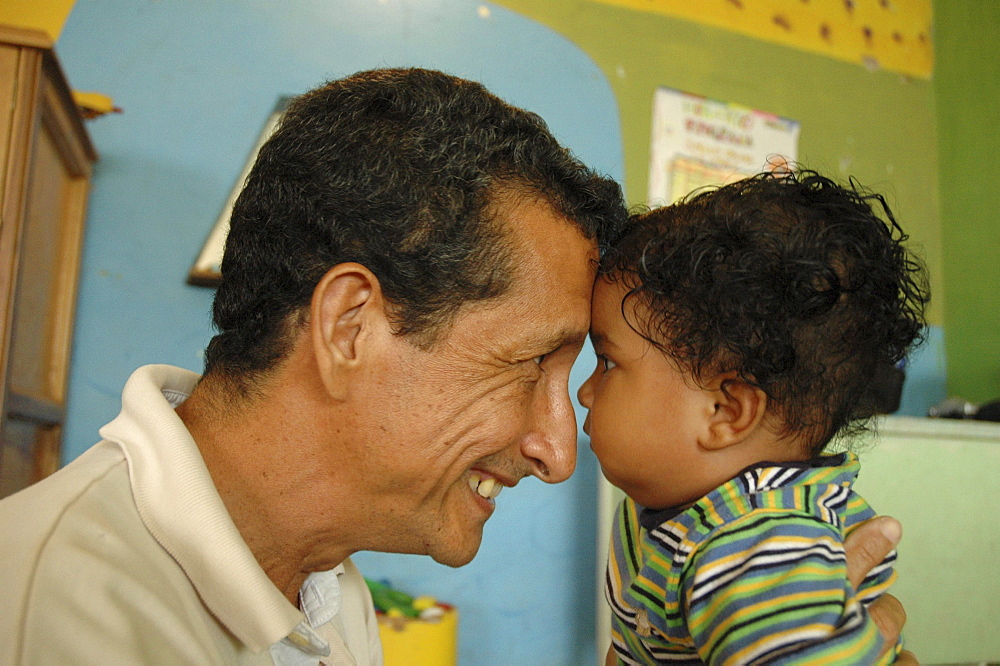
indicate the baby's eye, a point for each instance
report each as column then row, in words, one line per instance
column 605, row 363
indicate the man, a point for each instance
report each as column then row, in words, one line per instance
column 406, row 284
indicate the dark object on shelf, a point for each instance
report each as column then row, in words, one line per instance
column 988, row 411
column 956, row 408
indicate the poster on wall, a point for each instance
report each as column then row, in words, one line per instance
column 699, row 142
column 207, row 268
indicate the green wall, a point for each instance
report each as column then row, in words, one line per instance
column 931, row 145
column 967, row 92
column 877, row 126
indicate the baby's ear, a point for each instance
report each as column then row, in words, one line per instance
column 739, row 410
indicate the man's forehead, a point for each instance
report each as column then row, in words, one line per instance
column 554, row 264
column 527, row 326
column 530, row 217
column 567, row 336
column 538, row 330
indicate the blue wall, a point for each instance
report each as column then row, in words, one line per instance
column 196, row 80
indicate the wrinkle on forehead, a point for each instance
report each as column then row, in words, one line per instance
column 545, row 309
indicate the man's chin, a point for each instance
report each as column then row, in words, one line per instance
column 457, row 556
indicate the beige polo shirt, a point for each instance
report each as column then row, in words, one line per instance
column 128, row 556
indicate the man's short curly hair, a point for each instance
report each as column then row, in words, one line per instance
column 800, row 286
column 399, row 170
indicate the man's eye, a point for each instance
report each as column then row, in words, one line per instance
column 540, row 359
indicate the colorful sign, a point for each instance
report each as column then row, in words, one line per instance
column 698, row 142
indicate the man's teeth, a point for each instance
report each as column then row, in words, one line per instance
column 488, row 488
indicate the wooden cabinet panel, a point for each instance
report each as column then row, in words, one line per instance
column 45, row 156
column 48, row 240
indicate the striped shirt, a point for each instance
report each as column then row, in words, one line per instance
column 752, row 573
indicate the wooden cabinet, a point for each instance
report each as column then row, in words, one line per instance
column 45, row 169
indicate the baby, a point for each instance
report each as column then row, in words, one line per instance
column 737, row 333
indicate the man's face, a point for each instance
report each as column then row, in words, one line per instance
column 487, row 404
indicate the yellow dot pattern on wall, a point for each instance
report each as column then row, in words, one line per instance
column 893, row 35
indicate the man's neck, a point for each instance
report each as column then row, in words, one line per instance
column 253, row 450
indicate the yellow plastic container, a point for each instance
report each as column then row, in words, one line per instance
column 414, row 642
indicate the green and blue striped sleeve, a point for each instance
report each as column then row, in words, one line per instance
column 771, row 587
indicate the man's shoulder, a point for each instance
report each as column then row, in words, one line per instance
column 79, row 560
column 42, row 532
column 29, row 518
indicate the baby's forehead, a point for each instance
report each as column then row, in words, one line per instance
column 620, row 294
column 608, row 290
column 616, row 311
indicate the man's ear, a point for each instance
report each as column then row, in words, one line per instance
column 346, row 307
column 739, row 411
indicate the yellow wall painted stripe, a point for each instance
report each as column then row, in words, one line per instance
column 889, row 34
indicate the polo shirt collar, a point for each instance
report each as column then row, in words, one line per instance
column 180, row 506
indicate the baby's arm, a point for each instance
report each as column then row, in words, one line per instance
column 773, row 586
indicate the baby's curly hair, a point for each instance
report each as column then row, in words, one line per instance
column 800, row 286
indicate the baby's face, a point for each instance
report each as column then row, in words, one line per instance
column 645, row 414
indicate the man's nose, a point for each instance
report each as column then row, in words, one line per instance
column 550, row 445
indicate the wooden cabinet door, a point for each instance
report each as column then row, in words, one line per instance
column 41, row 233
